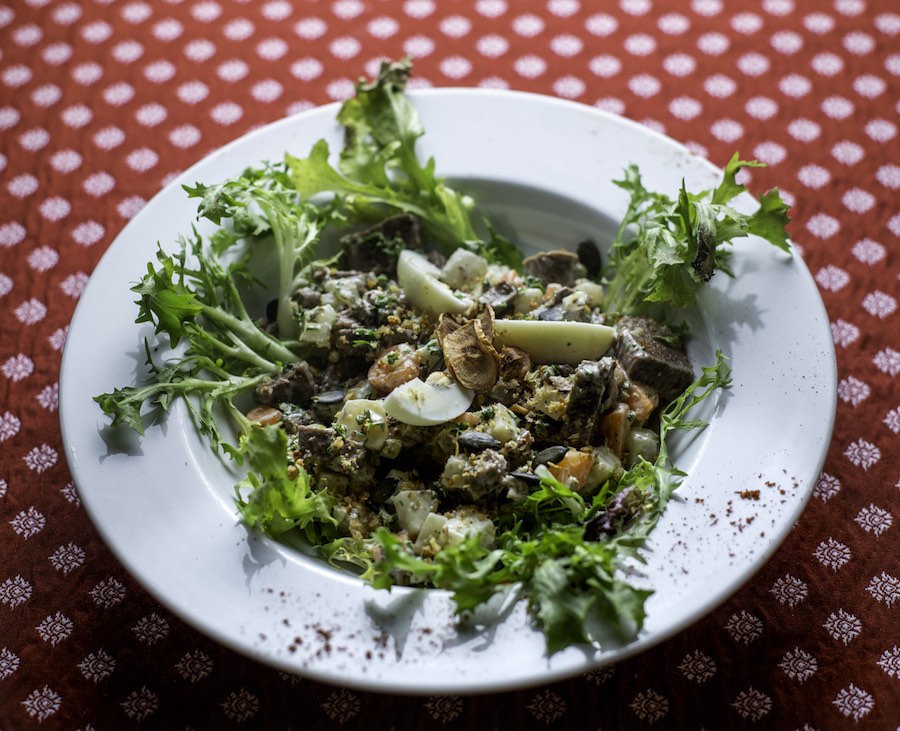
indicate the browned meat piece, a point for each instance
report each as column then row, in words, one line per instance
column 514, row 366
column 376, row 249
column 314, row 443
column 643, row 351
column 477, row 476
column 558, row 266
column 500, row 297
column 295, row 384
column 594, row 390
column 306, row 298
column 348, row 335
column 344, row 373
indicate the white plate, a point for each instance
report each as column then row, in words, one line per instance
column 164, row 504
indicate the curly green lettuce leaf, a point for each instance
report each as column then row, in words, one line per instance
column 263, row 203
column 207, row 389
column 667, row 248
column 192, row 298
column 235, row 199
column 378, row 165
column 276, row 496
column 201, row 302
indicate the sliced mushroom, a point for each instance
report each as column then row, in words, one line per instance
column 469, row 351
column 446, row 325
column 486, row 322
column 554, row 266
column 514, row 363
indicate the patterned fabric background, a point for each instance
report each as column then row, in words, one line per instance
column 103, row 102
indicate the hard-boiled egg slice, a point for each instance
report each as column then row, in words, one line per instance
column 555, row 341
column 436, row 400
column 364, row 420
column 419, row 279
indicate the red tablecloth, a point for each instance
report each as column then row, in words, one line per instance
column 102, row 102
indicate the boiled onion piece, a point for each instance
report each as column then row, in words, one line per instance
column 436, row 400
column 559, row 341
column 419, row 279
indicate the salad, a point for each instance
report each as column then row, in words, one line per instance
column 416, row 400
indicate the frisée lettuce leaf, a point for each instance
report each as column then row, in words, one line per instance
column 379, row 165
column 666, row 248
column 276, row 497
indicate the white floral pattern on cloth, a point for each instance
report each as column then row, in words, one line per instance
column 195, row 666
column 833, row 554
column 799, row 665
column 342, row 705
column 97, row 666
column 103, row 103
column 697, row 666
column 752, row 704
column 854, row 702
column 240, row 706
column 547, row 707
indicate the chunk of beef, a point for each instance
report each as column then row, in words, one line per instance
column 594, row 390
column 643, row 350
column 475, row 476
column 315, row 443
column 566, row 304
column 349, row 336
column 376, row 249
column 500, row 297
column 295, row 384
column 306, row 298
column 557, row 266
column 343, row 373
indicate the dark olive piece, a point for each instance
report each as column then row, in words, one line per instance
column 549, row 455
column 590, row 257
column 477, row 441
column 527, row 477
column 329, row 398
column 272, row 310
